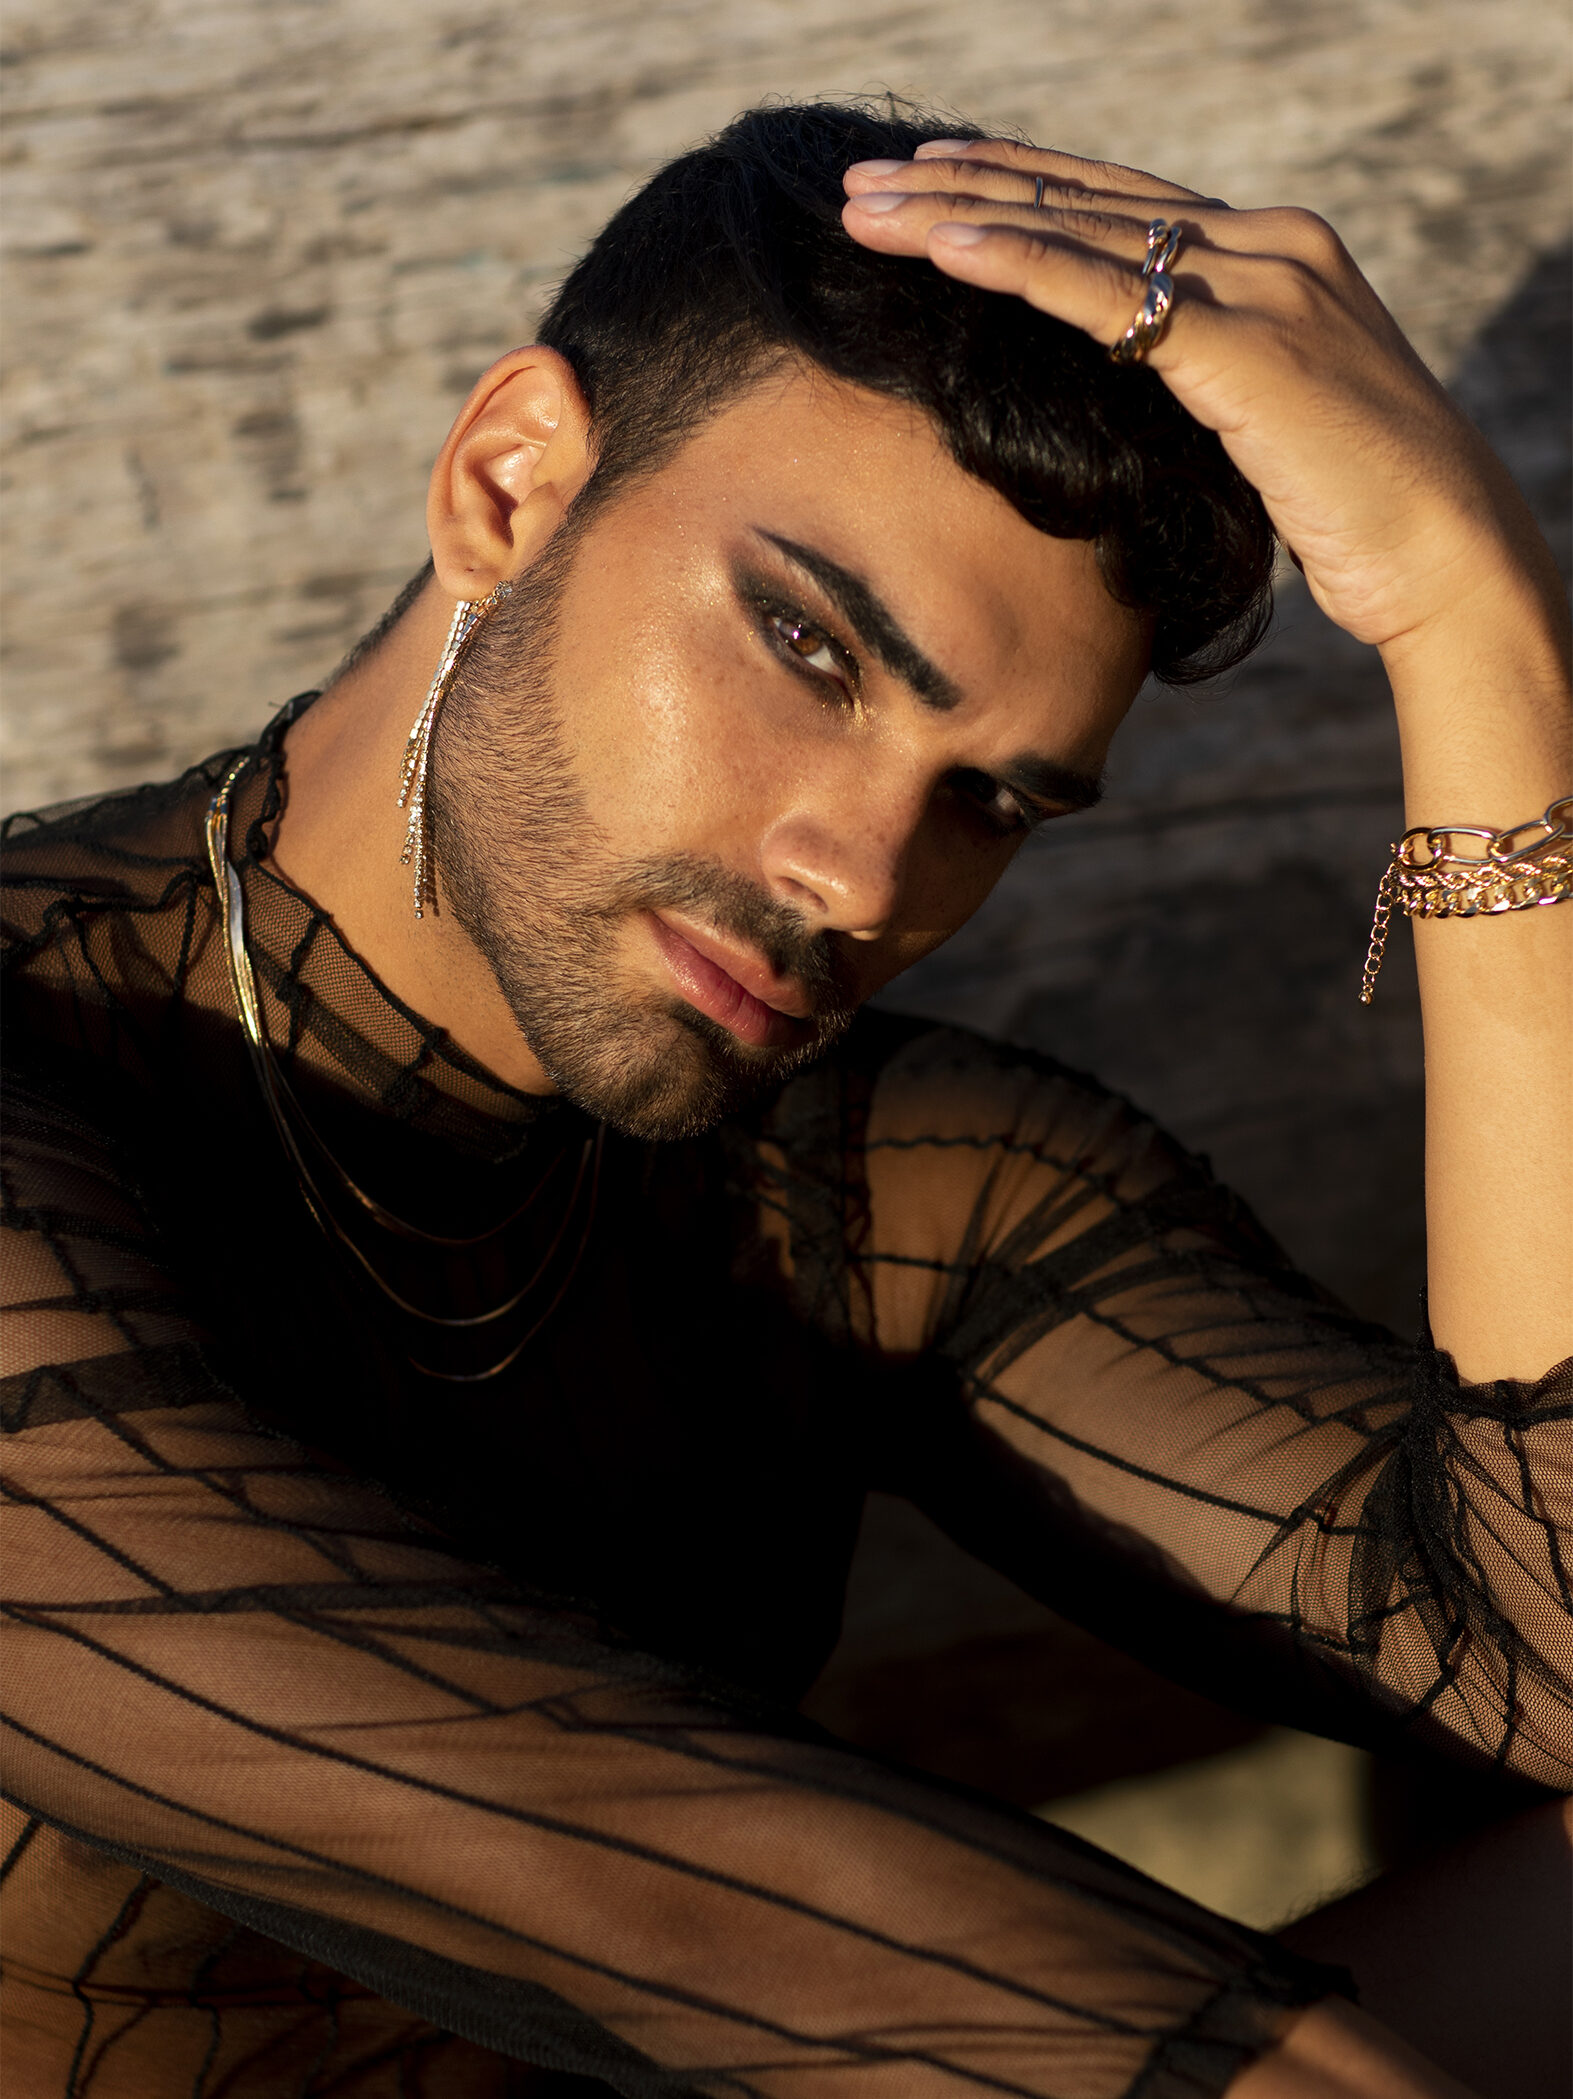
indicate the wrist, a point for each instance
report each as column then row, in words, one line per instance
column 1474, row 551
column 1484, row 701
column 1493, row 610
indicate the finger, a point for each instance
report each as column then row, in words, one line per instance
column 1092, row 290
column 1009, row 196
column 1277, row 300
column 899, row 222
column 1068, row 168
column 970, row 178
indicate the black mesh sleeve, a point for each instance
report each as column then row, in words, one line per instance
column 1155, row 1423
column 257, row 1681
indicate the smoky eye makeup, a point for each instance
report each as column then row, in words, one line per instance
column 800, row 639
column 805, row 643
column 995, row 804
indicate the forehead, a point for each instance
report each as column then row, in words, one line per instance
column 869, row 482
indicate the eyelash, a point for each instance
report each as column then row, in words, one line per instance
column 1018, row 825
column 774, row 617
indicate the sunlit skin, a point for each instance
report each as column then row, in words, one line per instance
column 715, row 701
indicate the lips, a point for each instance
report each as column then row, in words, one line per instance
column 737, row 990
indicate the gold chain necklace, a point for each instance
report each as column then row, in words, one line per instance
column 292, row 1122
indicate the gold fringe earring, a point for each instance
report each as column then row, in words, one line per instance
column 468, row 614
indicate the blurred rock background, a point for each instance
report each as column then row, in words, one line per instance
column 258, row 250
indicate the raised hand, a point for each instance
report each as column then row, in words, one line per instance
column 1386, row 495
column 1412, row 537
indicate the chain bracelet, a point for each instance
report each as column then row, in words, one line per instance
column 1377, row 949
column 1507, row 876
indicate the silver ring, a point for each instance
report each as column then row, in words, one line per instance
column 1037, row 194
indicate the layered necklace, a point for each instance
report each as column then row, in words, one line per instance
column 334, row 1197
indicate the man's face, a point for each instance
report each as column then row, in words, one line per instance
column 771, row 733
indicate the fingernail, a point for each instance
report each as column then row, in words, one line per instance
column 881, row 200
column 936, row 148
column 957, row 236
column 876, row 167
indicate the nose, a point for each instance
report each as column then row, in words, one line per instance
column 842, row 871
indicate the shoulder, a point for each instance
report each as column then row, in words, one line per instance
column 908, row 1162
column 103, row 904
column 113, row 848
column 931, row 1159
column 896, row 1082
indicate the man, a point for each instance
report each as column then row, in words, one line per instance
column 472, row 1262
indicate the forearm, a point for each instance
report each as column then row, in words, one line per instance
column 1483, row 707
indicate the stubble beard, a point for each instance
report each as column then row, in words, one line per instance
column 527, row 874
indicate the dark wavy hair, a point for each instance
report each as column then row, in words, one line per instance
column 733, row 259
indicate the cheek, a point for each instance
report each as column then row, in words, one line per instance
column 946, row 882
column 951, row 872
column 669, row 742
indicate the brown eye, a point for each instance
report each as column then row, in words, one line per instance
column 809, row 645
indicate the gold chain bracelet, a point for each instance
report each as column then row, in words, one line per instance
column 1506, row 876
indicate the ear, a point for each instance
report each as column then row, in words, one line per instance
column 517, row 455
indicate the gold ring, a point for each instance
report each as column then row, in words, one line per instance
column 1163, row 244
column 1144, row 334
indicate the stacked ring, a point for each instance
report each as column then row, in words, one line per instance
column 1146, row 331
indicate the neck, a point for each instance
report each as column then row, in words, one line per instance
column 341, row 834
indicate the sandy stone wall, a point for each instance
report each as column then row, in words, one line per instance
column 260, row 248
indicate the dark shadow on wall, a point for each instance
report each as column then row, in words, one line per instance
column 1197, row 942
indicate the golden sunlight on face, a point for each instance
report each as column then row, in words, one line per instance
column 815, row 653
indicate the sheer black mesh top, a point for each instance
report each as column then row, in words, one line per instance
column 375, row 1731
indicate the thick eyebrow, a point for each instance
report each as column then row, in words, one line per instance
column 1040, row 779
column 874, row 623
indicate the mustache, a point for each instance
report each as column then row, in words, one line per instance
column 740, row 908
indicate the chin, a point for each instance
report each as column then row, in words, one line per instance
column 666, row 1074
